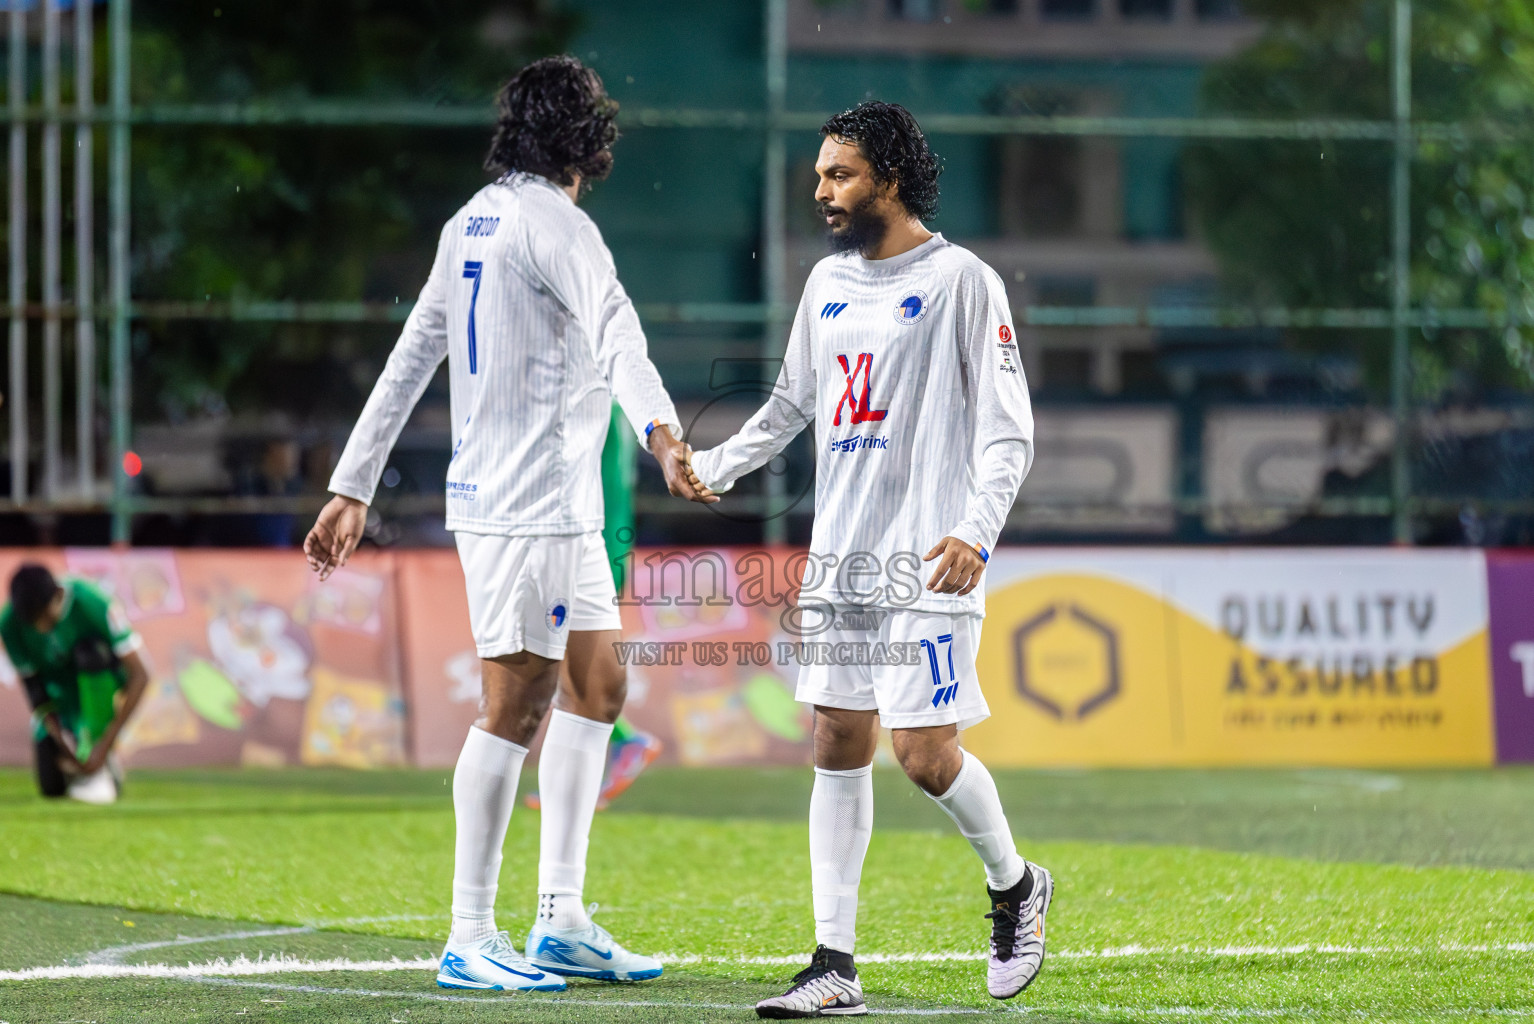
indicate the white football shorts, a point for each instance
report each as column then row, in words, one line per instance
column 528, row 593
column 915, row 668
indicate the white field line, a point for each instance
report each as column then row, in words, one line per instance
column 239, row 967
column 528, row 997
column 1174, row 1012
column 1116, row 952
column 115, row 954
column 244, row 967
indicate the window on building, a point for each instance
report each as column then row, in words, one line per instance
column 1040, row 186
column 1068, row 10
column 1064, row 290
column 1067, row 370
column 1217, row 10
column 916, row 10
column 1151, row 10
column 1141, row 372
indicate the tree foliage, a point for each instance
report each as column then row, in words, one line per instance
column 287, row 212
column 1307, row 223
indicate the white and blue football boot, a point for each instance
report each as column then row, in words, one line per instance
column 587, row 952
column 493, row 963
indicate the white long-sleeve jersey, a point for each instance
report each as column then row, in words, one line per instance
column 524, row 302
column 909, row 367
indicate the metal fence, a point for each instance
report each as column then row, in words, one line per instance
column 42, row 115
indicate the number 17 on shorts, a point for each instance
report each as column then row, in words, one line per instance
column 940, row 660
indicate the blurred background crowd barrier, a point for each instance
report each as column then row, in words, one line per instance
column 1270, row 260
column 1090, row 657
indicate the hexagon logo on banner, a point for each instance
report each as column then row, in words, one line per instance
column 1066, row 662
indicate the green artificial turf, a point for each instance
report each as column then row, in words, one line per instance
column 1270, row 895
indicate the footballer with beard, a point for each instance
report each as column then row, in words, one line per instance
column 903, row 353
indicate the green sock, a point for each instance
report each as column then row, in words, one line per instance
column 98, row 705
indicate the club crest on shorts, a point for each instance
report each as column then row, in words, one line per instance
column 559, row 614
column 912, row 308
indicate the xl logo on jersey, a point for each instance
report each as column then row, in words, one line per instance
column 860, row 406
column 832, row 310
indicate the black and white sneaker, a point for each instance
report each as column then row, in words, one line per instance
column 1017, row 932
column 828, row 987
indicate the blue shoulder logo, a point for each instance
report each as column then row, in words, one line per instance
column 912, row 308
column 832, row 310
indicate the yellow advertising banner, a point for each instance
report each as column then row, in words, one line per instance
column 1235, row 657
column 1091, row 657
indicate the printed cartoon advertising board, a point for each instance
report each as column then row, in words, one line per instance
column 1223, row 657
column 688, row 683
column 252, row 660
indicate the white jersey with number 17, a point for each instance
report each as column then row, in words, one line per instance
column 923, row 428
column 524, row 302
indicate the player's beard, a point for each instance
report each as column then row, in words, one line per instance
column 863, row 231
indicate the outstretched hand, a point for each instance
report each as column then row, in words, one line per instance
column 675, row 460
column 705, row 494
column 959, row 571
column 335, row 535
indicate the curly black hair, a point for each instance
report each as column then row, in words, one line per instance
column 890, row 139
column 32, row 588
column 556, row 120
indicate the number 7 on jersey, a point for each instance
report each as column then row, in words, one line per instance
column 473, row 269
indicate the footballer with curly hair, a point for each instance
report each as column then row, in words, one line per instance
column 524, row 304
column 903, row 354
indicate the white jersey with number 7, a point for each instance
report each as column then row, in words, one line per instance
column 524, row 302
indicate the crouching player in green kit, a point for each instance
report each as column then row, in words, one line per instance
column 79, row 661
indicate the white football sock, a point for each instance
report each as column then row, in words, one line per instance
column 484, row 790
column 974, row 806
column 561, row 910
column 841, row 822
column 569, row 782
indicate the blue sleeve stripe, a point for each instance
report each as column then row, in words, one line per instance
column 985, row 556
column 651, row 427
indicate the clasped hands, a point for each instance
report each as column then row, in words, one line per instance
column 959, row 567
column 675, row 460
column 340, row 526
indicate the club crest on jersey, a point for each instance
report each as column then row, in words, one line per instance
column 559, row 614
column 912, row 308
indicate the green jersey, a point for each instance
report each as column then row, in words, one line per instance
column 618, row 494
column 73, row 670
